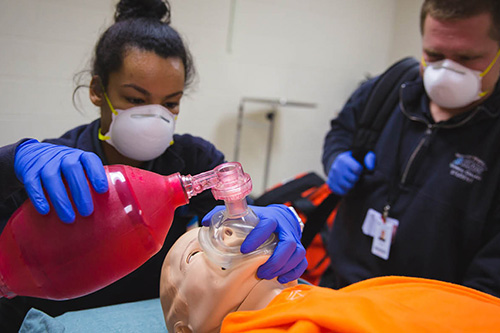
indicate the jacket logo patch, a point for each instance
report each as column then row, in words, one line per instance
column 467, row 168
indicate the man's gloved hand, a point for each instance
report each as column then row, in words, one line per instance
column 345, row 171
column 43, row 164
column 288, row 260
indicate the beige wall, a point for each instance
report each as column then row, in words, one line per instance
column 311, row 51
column 406, row 32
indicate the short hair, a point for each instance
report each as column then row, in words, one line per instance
column 461, row 9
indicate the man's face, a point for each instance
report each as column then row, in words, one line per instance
column 465, row 41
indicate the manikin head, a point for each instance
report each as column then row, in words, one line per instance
column 196, row 294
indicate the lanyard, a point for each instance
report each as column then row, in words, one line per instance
column 394, row 187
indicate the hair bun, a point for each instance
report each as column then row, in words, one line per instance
column 152, row 9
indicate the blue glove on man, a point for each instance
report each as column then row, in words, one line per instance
column 288, row 260
column 38, row 164
column 345, row 171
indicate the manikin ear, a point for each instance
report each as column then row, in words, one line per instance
column 96, row 91
column 180, row 327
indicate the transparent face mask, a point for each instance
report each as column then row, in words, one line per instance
column 222, row 240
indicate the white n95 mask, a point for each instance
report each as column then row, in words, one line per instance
column 141, row 133
column 451, row 85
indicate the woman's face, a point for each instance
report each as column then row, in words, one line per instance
column 144, row 78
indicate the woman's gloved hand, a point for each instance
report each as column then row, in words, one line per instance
column 288, row 261
column 345, row 171
column 43, row 164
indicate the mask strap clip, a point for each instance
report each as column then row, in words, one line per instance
column 101, row 136
column 107, row 100
column 490, row 65
column 110, row 105
column 423, row 62
column 484, row 93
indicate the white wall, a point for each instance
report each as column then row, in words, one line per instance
column 43, row 44
column 311, row 51
column 406, row 31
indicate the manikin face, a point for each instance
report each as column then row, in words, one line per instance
column 465, row 41
column 195, row 293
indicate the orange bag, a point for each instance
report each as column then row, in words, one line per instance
column 307, row 193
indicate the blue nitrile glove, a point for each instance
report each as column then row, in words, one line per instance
column 44, row 163
column 345, row 171
column 288, row 260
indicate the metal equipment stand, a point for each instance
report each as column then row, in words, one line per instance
column 270, row 115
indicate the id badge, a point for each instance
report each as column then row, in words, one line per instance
column 381, row 245
column 382, row 232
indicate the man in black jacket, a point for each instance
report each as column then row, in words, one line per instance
column 433, row 191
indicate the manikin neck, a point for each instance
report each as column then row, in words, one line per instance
column 262, row 294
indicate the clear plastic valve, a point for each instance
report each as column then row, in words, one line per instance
column 227, row 182
column 222, row 240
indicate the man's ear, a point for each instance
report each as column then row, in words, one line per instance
column 96, row 91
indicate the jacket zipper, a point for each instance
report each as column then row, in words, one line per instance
column 414, row 154
column 428, row 132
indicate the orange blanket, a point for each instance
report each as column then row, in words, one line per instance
column 385, row 304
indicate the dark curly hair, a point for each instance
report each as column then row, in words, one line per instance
column 142, row 24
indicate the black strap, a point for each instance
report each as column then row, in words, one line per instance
column 317, row 219
column 289, row 191
column 379, row 106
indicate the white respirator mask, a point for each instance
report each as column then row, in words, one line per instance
column 451, row 85
column 141, row 133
